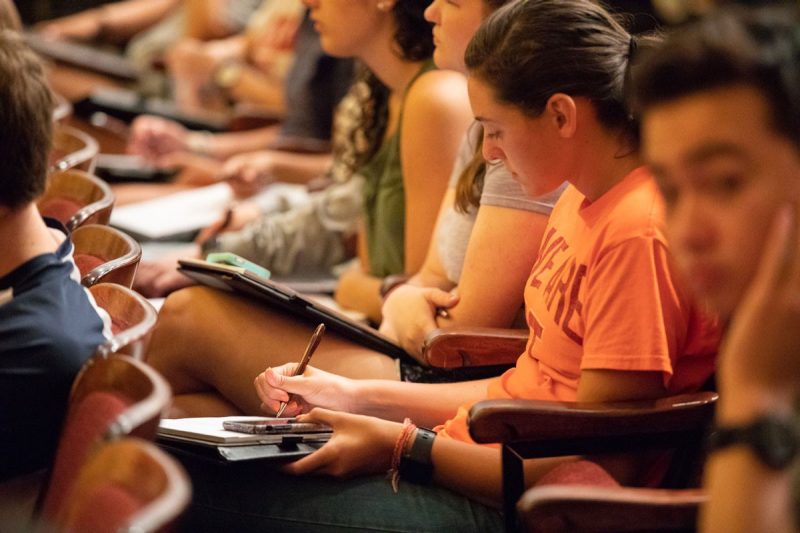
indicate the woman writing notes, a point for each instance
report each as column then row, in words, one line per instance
column 193, row 343
column 592, row 338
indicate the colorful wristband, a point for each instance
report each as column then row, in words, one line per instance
column 415, row 463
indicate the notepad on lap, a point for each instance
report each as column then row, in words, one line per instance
column 209, row 431
column 206, row 439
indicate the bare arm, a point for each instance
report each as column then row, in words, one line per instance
column 356, row 289
column 432, row 273
column 225, row 145
column 758, row 374
column 427, row 404
column 117, row 21
column 256, row 87
column 502, row 240
column 436, row 113
column 744, row 494
column 469, row 469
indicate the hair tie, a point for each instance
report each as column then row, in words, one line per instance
column 632, row 47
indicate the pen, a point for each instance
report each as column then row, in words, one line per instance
column 226, row 221
column 316, row 337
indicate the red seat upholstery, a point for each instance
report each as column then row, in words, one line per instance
column 117, row 505
column 112, row 396
column 584, row 473
column 128, row 485
column 105, row 254
column 78, row 197
column 85, row 428
column 61, row 209
column 87, row 262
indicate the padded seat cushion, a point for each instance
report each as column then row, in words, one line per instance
column 85, row 427
column 578, row 473
column 60, row 209
column 111, row 508
column 87, row 262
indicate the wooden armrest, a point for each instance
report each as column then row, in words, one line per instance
column 575, row 508
column 564, row 428
column 459, row 346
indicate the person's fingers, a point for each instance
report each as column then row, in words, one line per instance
column 325, row 456
column 779, row 252
column 289, row 383
column 231, row 168
column 267, row 392
column 320, row 415
column 440, row 298
column 209, row 231
column 317, row 462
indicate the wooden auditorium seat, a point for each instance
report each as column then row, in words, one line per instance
column 126, row 486
column 112, row 396
column 75, row 198
column 567, row 507
column 105, row 254
column 529, row 429
column 132, row 318
column 72, row 149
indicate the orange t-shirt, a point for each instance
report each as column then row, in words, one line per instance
column 603, row 294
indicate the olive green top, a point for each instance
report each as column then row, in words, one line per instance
column 384, row 203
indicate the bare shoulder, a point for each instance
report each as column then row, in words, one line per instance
column 437, row 92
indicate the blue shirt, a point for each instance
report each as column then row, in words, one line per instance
column 48, row 329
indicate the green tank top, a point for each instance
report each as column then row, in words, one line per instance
column 384, row 202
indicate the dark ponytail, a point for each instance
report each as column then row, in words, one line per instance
column 531, row 49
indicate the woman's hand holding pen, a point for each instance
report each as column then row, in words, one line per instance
column 410, row 312
column 233, row 219
column 315, row 388
column 248, row 173
column 359, row 445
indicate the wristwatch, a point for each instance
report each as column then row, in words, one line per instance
column 774, row 440
column 391, row 282
column 415, row 463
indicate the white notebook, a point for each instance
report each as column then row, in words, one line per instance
column 209, row 431
column 188, row 211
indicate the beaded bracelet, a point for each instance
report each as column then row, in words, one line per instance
column 402, row 441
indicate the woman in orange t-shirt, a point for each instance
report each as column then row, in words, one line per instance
column 608, row 318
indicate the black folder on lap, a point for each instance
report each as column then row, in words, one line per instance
column 242, row 281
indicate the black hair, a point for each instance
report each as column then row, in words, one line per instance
column 531, row 49
column 759, row 47
column 26, row 106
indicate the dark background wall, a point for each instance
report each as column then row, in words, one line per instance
column 33, row 11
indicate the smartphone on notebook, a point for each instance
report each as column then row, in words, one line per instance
column 277, row 426
column 228, row 258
